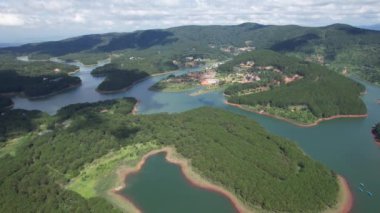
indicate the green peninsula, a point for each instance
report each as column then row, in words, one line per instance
column 117, row 79
column 33, row 79
column 290, row 88
column 265, row 171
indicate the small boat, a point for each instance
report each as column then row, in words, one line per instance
column 362, row 184
column 369, row 193
column 360, row 188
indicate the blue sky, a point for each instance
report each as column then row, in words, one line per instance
column 38, row 20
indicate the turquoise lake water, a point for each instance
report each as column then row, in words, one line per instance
column 160, row 187
column 344, row 145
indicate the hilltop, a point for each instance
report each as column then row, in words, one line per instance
column 342, row 48
column 265, row 171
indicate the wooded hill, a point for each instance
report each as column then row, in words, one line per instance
column 117, row 79
column 33, row 78
column 324, row 92
column 340, row 47
column 262, row 169
column 35, row 86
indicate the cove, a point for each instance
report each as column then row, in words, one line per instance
column 160, row 186
column 343, row 145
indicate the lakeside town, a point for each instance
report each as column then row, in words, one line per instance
column 210, row 79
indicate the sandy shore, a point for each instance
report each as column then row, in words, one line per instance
column 294, row 122
column 163, row 73
column 345, row 198
column 135, row 109
column 74, row 72
column 187, row 171
column 348, row 198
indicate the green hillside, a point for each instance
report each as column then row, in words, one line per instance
column 33, row 79
column 340, row 47
column 35, row 86
column 263, row 170
column 323, row 92
column 117, row 79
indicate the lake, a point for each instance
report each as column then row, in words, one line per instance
column 161, row 187
column 344, row 145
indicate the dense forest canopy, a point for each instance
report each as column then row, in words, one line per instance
column 117, row 79
column 35, row 86
column 32, row 78
column 18, row 122
column 34, row 68
column 324, row 92
column 264, row 170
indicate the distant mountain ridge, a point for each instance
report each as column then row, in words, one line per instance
column 9, row 45
column 340, row 46
column 147, row 38
column 371, row 27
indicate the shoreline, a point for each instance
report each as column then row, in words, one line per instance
column 186, row 170
column 21, row 94
column 133, row 84
column 345, row 200
column 377, row 141
column 123, row 89
column 135, row 110
column 54, row 93
column 73, row 72
column 163, row 73
column 317, row 122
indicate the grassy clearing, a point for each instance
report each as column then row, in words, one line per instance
column 103, row 169
column 11, row 146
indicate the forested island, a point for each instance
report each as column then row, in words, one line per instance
column 264, row 171
column 33, row 79
column 33, row 67
column 117, row 79
column 11, row 83
column 303, row 92
column 175, row 84
column 376, row 132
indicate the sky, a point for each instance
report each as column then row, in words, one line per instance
column 40, row 20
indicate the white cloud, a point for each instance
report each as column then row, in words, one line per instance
column 8, row 19
column 78, row 18
column 171, row 3
column 50, row 5
column 128, row 15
